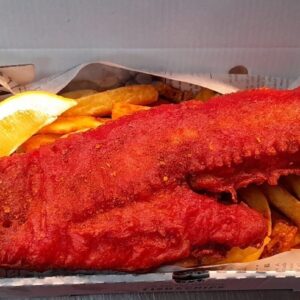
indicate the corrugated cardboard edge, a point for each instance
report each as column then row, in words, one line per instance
column 75, row 285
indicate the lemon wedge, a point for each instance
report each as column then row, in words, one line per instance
column 24, row 114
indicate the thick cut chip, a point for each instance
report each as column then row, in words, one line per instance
column 293, row 182
column 123, row 109
column 65, row 125
column 37, row 141
column 284, row 202
column 102, row 120
column 101, row 104
column 24, row 114
column 255, row 198
column 74, row 132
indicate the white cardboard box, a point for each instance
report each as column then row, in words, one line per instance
column 193, row 36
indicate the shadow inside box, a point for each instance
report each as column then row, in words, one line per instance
column 10, row 273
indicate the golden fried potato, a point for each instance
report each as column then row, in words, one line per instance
column 205, row 94
column 101, row 104
column 284, row 202
column 293, row 182
column 65, row 125
column 79, row 94
column 73, row 132
column 255, row 198
column 37, row 141
column 123, row 109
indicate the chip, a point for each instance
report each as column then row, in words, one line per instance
column 293, row 182
column 283, row 201
column 64, row 125
column 255, row 198
column 101, row 104
column 123, row 109
column 37, row 141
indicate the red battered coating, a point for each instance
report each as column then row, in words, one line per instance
column 124, row 196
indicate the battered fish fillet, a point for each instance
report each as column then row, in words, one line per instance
column 142, row 191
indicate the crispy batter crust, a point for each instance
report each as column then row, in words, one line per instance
column 123, row 196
